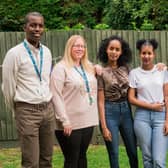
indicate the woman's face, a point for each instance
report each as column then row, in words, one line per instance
column 114, row 50
column 147, row 55
column 78, row 49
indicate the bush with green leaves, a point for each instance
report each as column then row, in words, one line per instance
column 78, row 26
column 147, row 26
column 102, row 26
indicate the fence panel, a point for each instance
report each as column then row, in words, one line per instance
column 56, row 40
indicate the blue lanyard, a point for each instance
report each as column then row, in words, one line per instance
column 83, row 75
column 38, row 72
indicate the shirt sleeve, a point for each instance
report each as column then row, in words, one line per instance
column 165, row 76
column 9, row 78
column 58, row 77
column 132, row 79
column 100, row 82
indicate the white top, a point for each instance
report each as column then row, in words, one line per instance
column 149, row 84
column 19, row 79
column 70, row 98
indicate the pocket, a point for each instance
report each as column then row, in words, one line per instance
column 127, row 105
column 27, row 129
column 24, row 127
column 112, row 110
column 160, row 116
column 26, row 120
column 126, row 109
column 51, row 111
column 108, row 108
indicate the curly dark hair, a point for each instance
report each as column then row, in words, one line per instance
column 125, row 57
column 144, row 42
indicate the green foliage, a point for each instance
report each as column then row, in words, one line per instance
column 73, row 13
column 159, row 14
column 147, row 26
column 69, row 14
column 9, row 20
column 134, row 26
column 102, row 26
column 67, row 28
column 78, row 26
column 128, row 14
column 86, row 12
column 166, row 26
column 118, row 14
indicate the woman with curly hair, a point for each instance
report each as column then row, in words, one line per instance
column 114, row 108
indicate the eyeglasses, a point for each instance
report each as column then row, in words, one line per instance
column 79, row 46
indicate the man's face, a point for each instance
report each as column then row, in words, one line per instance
column 34, row 28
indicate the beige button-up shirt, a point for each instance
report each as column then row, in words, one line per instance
column 20, row 82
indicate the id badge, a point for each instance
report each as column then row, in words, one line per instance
column 90, row 99
column 41, row 89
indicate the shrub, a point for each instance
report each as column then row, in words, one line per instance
column 102, row 26
column 147, row 26
column 79, row 26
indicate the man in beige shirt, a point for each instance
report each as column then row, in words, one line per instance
column 25, row 85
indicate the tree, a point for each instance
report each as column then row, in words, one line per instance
column 119, row 14
column 159, row 14
column 63, row 14
column 87, row 12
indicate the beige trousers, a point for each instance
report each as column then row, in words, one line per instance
column 35, row 126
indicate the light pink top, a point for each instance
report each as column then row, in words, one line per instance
column 70, row 98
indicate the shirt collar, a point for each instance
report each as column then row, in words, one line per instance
column 31, row 46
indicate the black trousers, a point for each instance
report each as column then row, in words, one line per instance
column 75, row 146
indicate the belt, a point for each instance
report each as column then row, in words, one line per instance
column 118, row 101
column 43, row 105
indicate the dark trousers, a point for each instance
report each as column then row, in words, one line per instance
column 75, row 146
column 35, row 126
column 119, row 118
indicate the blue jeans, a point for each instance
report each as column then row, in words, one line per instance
column 148, row 127
column 119, row 118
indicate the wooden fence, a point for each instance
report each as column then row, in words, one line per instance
column 56, row 40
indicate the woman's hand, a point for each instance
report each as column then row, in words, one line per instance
column 157, row 106
column 161, row 66
column 165, row 128
column 67, row 130
column 98, row 69
column 107, row 134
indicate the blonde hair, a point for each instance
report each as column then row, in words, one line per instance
column 67, row 58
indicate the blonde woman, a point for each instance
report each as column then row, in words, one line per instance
column 74, row 89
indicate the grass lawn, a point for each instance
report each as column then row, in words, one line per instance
column 97, row 157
